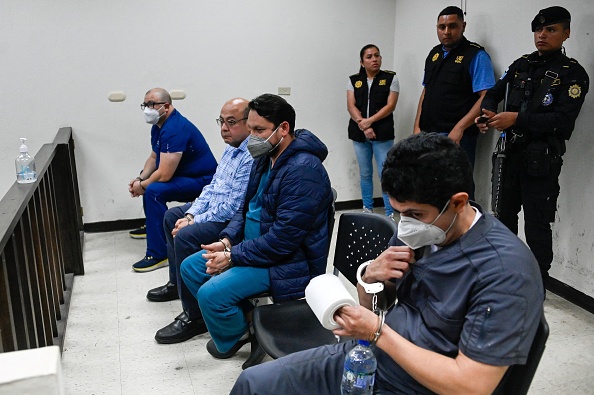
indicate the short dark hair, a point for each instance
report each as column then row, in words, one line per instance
column 451, row 10
column 275, row 109
column 426, row 168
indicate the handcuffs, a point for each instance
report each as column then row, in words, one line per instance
column 373, row 288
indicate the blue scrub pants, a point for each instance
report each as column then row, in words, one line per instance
column 221, row 297
column 155, row 199
column 364, row 152
column 187, row 242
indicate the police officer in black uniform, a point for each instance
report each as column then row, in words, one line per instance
column 546, row 90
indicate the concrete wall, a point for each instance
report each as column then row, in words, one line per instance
column 504, row 29
column 60, row 59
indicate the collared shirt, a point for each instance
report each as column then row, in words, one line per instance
column 220, row 199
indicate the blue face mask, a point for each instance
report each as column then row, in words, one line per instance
column 257, row 146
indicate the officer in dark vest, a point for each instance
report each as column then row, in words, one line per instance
column 546, row 92
column 372, row 94
column 458, row 73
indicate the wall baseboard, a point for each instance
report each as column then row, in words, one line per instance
column 125, row 224
column 571, row 294
column 357, row 204
column 112, row 226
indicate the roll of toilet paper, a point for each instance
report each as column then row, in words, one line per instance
column 325, row 294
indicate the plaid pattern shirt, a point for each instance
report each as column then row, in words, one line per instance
column 220, row 199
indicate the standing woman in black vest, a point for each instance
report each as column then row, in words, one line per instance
column 371, row 99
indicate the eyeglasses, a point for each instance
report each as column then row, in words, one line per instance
column 230, row 122
column 150, row 104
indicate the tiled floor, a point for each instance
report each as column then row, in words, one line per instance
column 110, row 347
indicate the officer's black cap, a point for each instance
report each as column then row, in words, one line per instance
column 550, row 16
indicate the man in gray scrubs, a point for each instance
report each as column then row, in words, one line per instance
column 469, row 294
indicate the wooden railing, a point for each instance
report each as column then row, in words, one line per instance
column 40, row 249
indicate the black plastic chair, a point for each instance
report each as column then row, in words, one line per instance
column 518, row 378
column 287, row 327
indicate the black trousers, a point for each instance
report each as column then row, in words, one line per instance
column 538, row 196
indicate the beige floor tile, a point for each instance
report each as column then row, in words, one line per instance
column 93, row 371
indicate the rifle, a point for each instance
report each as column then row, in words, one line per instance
column 498, row 166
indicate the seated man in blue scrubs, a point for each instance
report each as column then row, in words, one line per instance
column 469, row 298
column 278, row 241
column 179, row 166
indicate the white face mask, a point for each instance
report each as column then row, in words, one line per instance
column 151, row 115
column 417, row 234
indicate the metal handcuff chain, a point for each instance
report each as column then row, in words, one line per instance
column 373, row 288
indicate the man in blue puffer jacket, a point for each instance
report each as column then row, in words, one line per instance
column 278, row 241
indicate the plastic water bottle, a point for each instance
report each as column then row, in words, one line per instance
column 358, row 376
column 25, row 165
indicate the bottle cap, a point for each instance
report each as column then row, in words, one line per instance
column 23, row 146
column 363, row 343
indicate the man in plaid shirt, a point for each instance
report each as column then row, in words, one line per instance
column 189, row 226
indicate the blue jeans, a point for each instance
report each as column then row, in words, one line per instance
column 364, row 152
column 187, row 242
column 221, row 297
column 155, row 199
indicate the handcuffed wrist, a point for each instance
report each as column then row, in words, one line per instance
column 227, row 248
column 228, row 256
column 381, row 319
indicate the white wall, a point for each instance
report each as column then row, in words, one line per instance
column 61, row 58
column 503, row 27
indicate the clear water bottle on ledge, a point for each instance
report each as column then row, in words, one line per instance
column 358, row 376
column 25, row 165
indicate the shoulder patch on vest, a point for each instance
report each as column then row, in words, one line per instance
column 389, row 71
column 574, row 91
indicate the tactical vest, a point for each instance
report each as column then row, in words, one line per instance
column 448, row 88
column 529, row 73
column 380, row 90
